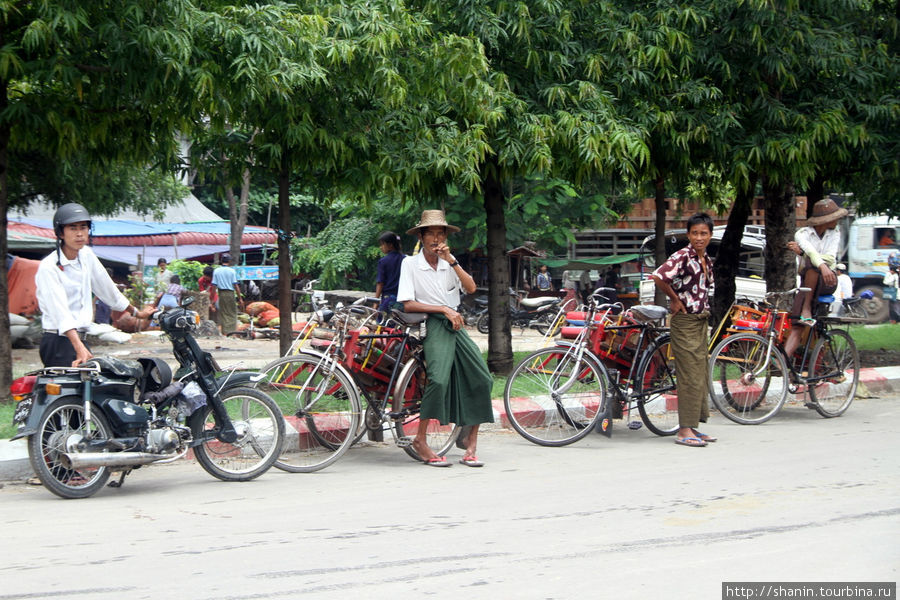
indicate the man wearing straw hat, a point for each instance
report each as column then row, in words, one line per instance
column 459, row 383
column 817, row 244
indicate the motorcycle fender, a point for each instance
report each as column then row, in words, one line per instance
column 40, row 402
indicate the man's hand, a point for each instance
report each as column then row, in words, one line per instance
column 82, row 355
column 828, row 276
column 443, row 251
column 677, row 306
column 455, row 318
column 795, row 247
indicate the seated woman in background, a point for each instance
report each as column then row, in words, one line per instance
column 171, row 298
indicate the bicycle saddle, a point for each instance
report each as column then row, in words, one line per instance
column 649, row 313
column 409, row 318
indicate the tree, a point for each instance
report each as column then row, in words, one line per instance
column 543, row 108
column 792, row 74
column 105, row 81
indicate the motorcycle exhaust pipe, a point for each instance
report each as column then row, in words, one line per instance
column 94, row 460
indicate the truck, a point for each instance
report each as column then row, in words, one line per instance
column 867, row 244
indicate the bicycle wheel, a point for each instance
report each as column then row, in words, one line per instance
column 260, row 435
column 744, row 386
column 553, row 400
column 321, row 406
column 655, row 383
column 856, row 311
column 407, row 403
column 549, row 325
column 834, row 359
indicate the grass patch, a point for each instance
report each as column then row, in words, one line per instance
column 7, row 429
column 875, row 337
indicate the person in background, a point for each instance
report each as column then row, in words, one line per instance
column 686, row 278
column 844, row 290
column 225, row 284
column 587, row 287
column 817, row 244
column 205, row 284
column 388, row 276
column 891, row 283
column 66, row 280
column 459, row 383
column 171, row 298
column 543, row 281
column 162, row 275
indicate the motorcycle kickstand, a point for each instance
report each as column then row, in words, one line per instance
column 121, row 480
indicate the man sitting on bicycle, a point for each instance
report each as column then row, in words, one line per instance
column 817, row 244
column 459, row 383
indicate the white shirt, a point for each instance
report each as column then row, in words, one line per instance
column 64, row 294
column 819, row 249
column 420, row 282
column 891, row 279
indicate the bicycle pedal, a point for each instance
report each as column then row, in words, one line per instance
column 404, row 442
column 635, row 425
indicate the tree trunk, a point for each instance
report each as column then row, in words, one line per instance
column 5, row 347
column 781, row 265
column 284, row 256
column 500, row 356
column 237, row 213
column 815, row 193
column 729, row 253
column 660, row 228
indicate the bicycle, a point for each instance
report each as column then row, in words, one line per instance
column 750, row 374
column 320, row 390
column 558, row 395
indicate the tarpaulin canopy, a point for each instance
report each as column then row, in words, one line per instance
column 17, row 240
column 588, row 263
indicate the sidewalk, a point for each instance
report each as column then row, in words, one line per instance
column 15, row 466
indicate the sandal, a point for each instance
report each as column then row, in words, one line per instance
column 705, row 438
column 693, row 442
column 806, row 321
column 471, row 461
column 437, row 461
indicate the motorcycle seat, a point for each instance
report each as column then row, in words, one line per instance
column 118, row 367
column 539, row 301
column 648, row 313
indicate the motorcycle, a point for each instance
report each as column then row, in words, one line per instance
column 537, row 313
column 471, row 314
column 109, row 415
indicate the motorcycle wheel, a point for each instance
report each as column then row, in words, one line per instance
column 260, row 435
column 63, row 423
column 484, row 323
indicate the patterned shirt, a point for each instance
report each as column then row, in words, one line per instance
column 684, row 273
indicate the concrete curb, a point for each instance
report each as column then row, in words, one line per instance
column 15, row 466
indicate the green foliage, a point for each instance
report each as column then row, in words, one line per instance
column 189, row 271
column 339, row 252
column 138, row 291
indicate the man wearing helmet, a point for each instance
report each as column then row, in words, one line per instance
column 66, row 281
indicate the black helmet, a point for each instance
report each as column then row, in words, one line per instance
column 68, row 214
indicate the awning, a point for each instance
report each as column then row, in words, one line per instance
column 588, row 263
column 150, row 254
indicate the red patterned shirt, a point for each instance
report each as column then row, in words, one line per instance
column 684, row 273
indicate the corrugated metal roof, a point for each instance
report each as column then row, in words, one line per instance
column 131, row 233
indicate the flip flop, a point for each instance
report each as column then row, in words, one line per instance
column 706, row 438
column 437, row 461
column 471, row 461
column 693, row 442
column 806, row 321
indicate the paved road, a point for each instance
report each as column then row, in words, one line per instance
column 799, row 499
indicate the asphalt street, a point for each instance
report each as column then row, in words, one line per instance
column 800, row 498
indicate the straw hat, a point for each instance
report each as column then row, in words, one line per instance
column 432, row 218
column 825, row 211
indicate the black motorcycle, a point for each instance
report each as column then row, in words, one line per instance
column 111, row 415
column 537, row 313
